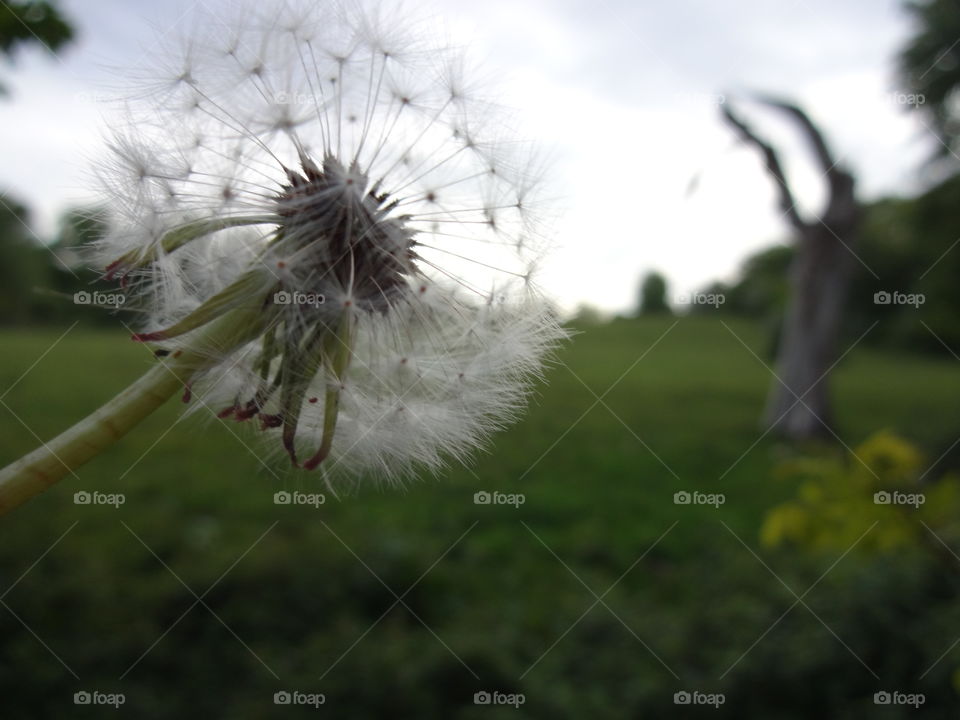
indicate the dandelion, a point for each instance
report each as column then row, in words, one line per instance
column 332, row 238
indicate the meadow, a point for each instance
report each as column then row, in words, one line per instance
column 599, row 596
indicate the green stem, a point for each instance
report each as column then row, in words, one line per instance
column 34, row 473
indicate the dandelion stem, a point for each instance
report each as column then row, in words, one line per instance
column 52, row 461
column 34, row 473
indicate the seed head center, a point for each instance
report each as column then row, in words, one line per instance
column 345, row 234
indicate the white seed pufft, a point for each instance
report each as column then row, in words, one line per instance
column 327, row 179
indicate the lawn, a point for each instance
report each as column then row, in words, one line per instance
column 597, row 597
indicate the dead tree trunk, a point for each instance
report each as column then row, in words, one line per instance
column 798, row 405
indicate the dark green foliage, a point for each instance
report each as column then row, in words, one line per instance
column 762, row 288
column 32, row 22
column 23, row 265
column 912, row 246
column 930, row 67
column 38, row 279
column 653, row 295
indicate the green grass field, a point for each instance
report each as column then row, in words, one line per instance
column 200, row 595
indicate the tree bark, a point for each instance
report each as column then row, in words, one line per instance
column 798, row 405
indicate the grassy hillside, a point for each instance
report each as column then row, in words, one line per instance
column 200, row 595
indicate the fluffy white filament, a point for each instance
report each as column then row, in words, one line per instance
column 439, row 359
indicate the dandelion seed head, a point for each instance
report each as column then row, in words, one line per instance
column 335, row 174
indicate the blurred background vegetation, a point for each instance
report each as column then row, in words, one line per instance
column 799, row 596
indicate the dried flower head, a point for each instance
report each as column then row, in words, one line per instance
column 317, row 204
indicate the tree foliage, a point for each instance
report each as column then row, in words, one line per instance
column 929, row 67
column 38, row 277
column 26, row 22
column 653, row 294
column 22, row 265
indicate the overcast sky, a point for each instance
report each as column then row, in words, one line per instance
column 624, row 93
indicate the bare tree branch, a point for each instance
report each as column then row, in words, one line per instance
column 835, row 176
column 772, row 162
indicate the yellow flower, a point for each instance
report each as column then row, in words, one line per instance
column 892, row 459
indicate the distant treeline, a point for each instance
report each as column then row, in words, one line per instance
column 39, row 277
